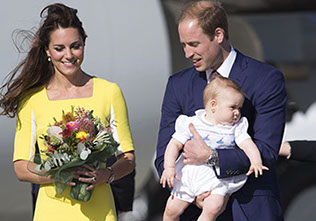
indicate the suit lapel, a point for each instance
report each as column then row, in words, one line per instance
column 199, row 80
column 198, row 85
column 237, row 72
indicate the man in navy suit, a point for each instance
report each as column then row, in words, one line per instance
column 203, row 31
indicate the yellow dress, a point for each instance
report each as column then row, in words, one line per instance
column 33, row 119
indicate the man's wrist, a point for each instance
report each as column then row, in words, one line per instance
column 213, row 159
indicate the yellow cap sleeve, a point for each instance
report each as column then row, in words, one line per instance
column 119, row 116
column 25, row 135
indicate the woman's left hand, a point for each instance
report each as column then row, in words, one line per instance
column 92, row 176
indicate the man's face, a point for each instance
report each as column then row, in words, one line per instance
column 198, row 47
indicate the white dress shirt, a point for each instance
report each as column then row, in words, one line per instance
column 226, row 66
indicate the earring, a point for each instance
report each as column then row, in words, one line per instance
column 49, row 59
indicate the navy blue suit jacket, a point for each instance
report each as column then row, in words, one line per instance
column 265, row 109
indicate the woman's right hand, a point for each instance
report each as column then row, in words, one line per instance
column 22, row 170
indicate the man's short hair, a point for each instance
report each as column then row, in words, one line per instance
column 210, row 15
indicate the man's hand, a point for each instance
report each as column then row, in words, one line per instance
column 196, row 151
column 199, row 200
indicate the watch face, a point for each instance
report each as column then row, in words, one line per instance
column 111, row 178
column 212, row 160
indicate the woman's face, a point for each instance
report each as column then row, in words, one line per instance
column 66, row 50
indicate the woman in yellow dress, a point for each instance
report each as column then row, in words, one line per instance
column 50, row 80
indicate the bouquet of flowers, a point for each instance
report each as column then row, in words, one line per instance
column 79, row 138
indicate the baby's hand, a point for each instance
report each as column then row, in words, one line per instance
column 168, row 176
column 257, row 168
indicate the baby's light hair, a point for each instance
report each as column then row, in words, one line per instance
column 216, row 85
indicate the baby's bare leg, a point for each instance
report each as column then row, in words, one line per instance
column 213, row 206
column 174, row 208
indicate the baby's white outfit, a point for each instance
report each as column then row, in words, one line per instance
column 197, row 179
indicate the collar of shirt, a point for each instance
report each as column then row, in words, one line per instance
column 226, row 67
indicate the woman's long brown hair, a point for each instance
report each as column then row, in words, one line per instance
column 35, row 70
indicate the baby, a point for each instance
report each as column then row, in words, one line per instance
column 221, row 126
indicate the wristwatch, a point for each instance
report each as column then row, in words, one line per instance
column 212, row 160
column 111, row 177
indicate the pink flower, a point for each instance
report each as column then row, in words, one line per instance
column 72, row 125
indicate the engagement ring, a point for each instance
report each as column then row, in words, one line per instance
column 94, row 179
